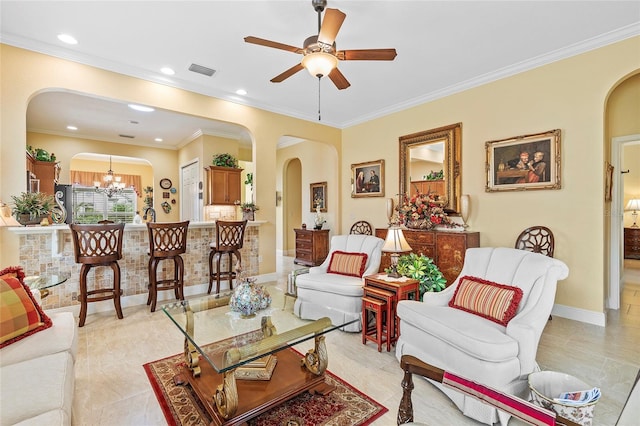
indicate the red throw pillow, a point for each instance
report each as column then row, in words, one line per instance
column 495, row 302
column 345, row 263
column 20, row 314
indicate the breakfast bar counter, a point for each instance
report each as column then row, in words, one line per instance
column 46, row 250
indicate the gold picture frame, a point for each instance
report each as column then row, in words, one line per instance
column 524, row 162
column 318, row 196
column 367, row 179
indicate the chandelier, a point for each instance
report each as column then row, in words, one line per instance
column 112, row 184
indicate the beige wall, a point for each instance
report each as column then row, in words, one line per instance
column 569, row 95
column 556, row 96
column 25, row 74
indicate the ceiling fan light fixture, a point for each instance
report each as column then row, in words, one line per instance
column 319, row 64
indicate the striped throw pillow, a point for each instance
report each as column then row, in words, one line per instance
column 20, row 314
column 495, row 302
column 345, row 263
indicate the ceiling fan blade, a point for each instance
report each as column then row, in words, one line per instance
column 288, row 73
column 274, row 44
column 331, row 24
column 367, row 55
column 339, row 79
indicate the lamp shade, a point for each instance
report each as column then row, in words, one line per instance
column 395, row 241
column 633, row 205
column 319, row 64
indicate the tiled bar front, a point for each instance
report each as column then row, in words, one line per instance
column 49, row 250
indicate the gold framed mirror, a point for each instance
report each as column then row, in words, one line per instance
column 422, row 153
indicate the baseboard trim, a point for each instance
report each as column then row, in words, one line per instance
column 578, row 314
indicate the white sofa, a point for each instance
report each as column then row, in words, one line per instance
column 475, row 347
column 37, row 375
column 339, row 297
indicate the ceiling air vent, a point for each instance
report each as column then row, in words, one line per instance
column 202, row 70
column 127, row 136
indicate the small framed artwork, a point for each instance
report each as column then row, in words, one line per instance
column 318, row 193
column 524, row 162
column 166, row 194
column 367, row 179
column 608, row 183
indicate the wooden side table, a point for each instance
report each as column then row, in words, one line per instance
column 403, row 289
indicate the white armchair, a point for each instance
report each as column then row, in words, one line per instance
column 474, row 347
column 339, row 297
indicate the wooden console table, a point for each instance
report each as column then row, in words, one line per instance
column 447, row 249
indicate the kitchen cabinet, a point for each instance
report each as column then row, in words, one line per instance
column 223, row 185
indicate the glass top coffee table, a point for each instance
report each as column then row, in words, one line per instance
column 44, row 282
column 240, row 367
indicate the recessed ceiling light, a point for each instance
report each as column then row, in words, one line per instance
column 141, row 108
column 167, row 71
column 72, row 127
column 241, row 92
column 66, row 38
column 158, row 139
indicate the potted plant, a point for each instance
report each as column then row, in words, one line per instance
column 225, row 160
column 30, row 207
column 422, row 268
column 248, row 210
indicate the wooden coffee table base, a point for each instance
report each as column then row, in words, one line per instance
column 289, row 379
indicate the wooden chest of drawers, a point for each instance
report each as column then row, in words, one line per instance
column 447, row 249
column 312, row 246
column 632, row 243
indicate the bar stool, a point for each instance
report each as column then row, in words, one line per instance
column 388, row 297
column 167, row 241
column 98, row 245
column 229, row 241
column 374, row 332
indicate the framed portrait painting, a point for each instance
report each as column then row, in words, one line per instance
column 524, row 162
column 367, row 179
column 318, row 193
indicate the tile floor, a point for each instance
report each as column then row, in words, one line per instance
column 112, row 388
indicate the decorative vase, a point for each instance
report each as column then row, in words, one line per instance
column 465, row 206
column 248, row 215
column 419, row 224
column 248, row 298
column 390, row 209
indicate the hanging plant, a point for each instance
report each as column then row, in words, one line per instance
column 225, row 160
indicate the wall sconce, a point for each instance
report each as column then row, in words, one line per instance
column 395, row 243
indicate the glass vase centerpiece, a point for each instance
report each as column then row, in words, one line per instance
column 424, row 211
column 248, row 298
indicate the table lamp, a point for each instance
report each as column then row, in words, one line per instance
column 633, row 206
column 395, row 243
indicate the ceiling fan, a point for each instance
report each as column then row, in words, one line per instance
column 320, row 54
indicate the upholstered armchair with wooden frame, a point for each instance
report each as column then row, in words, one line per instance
column 334, row 289
column 494, row 342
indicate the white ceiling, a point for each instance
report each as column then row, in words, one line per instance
column 443, row 47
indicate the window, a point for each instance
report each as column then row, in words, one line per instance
column 90, row 206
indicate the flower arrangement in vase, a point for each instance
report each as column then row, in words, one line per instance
column 225, row 160
column 424, row 211
column 248, row 210
column 319, row 220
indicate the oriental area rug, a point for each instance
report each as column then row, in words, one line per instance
column 345, row 405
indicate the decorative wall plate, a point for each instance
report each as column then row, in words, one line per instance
column 173, row 190
column 165, row 183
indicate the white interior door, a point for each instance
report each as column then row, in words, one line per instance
column 190, row 204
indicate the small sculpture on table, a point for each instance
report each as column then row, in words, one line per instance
column 248, row 298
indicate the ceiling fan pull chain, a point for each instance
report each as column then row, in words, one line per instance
column 319, row 117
